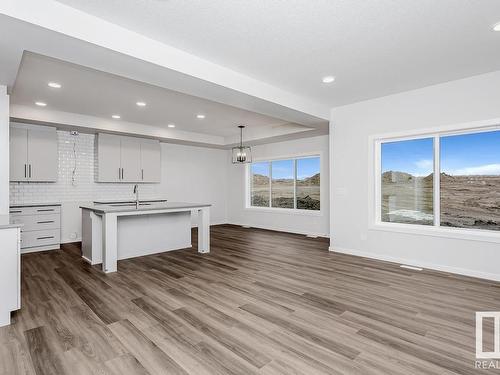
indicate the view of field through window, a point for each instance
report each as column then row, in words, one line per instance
column 276, row 183
column 469, row 181
column 308, row 181
column 407, row 181
column 282, row 184
column 260, row 184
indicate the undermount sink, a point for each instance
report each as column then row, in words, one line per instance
column 129, row 204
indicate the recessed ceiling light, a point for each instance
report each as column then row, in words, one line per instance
column 54, row 85
column 328, row 79
column 116, row 116
column 141, row 104
column 171, row 125
column 496, row 27
column 200, row 116
column 41, row 104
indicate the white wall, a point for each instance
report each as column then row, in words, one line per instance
column 284, row 221
column 184, row 170
column 472, row 99
column 4, row 151
column 196, row 174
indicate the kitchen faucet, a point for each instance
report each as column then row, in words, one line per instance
column 136, row 192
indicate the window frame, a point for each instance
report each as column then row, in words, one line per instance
column 374, row 181
column 294, row 210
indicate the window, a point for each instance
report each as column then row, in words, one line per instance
column 282, row 183
column 260, row 184
column 307, row 185
column 286, row 184
column 470, row 180
column 407, row 181
column 467, row 192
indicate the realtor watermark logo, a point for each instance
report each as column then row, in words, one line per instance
column 485, row 358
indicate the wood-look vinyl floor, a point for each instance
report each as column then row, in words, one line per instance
column 261, row 302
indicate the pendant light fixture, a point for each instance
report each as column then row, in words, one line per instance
column 242, row 154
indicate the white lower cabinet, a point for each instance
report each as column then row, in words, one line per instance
column 10, row 272
column 41, row 226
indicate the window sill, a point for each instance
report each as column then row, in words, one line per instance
column 446, row 232
column 287, row 211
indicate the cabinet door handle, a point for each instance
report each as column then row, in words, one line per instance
column 45, row 209
column 16, row 212
column 45, row 222
column 122, row 173
column 142, row 174
column 25, row 173
column 29, row 170
column 45, row 237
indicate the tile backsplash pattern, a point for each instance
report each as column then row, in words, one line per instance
column 85, row 188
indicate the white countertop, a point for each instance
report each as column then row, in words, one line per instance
column 130, row 207
column 38, row 204
column 131, row 200
column 5, row 222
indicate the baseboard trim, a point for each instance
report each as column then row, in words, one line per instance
column 195, row 225
column 29, row 250
column 72, row 242
column 416, row 263
column 280, row 229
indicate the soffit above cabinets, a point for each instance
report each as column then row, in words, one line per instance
column 96, row 97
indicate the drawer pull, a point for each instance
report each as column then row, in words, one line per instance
column 45, row 238
column 45, row 222
column 16, row 212
column 45, row 209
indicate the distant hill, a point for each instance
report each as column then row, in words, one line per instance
column 395, row 176
column 403, row 177
column 447, row 178
column 313, row 180
column 259, row 179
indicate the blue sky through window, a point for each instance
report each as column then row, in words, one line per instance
column 466, row 154
column 471, row 154
column 282, row 169
column 413, row 156
column 306, row 167
column 261, row 168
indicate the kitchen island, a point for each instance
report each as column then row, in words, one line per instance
column 115, row 231
column 10, row 268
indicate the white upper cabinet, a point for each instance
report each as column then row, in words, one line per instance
column 109, row 158
column 33, row 154
column 150, row 161
column 18, row 154
column 127, row 159
column 131, row 159
column 42, row 155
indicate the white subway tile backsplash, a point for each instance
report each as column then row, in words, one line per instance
column 76, row 151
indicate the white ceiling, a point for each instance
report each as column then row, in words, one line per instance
column 374, row 48
column 94, row 93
